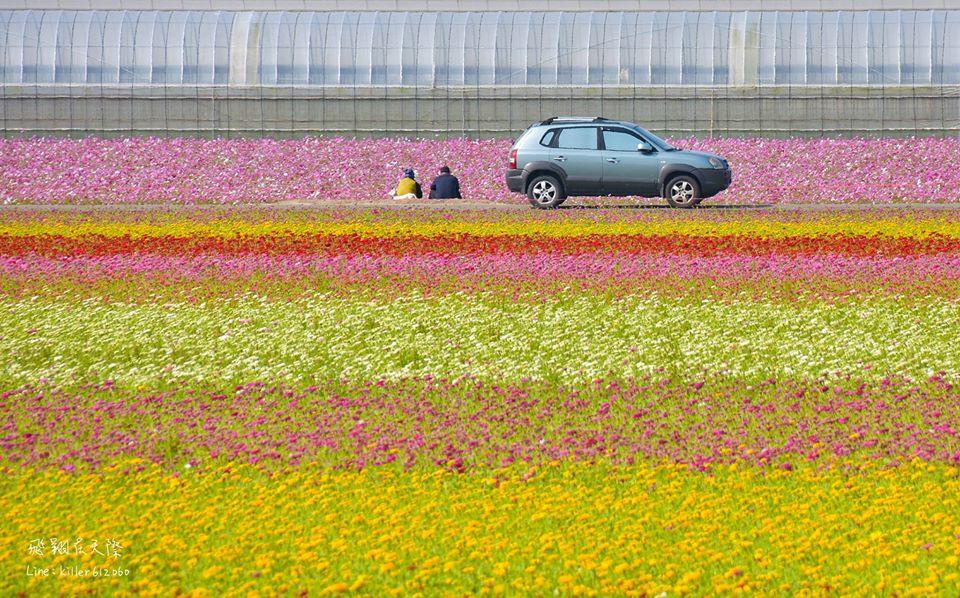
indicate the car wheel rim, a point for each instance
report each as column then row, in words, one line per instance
column 681, row 192
column 544, row 192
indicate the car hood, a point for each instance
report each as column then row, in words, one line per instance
column 695, row 154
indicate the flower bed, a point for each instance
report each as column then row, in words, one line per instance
column 457, row 402
column 192, row 171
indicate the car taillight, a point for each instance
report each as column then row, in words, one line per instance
column 513, row 159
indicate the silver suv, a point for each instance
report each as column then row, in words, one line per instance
column 560, row 157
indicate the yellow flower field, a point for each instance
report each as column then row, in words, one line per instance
column 567, row 528
column 391, row 224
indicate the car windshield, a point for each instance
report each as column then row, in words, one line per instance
column 660, row 143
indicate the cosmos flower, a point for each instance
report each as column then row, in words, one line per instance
column 198, row 171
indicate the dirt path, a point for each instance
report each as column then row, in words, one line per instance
column 467, row 205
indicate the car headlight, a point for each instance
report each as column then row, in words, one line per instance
column 715, row 163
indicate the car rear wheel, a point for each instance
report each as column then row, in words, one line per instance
column 545, row 192
column 683, row 192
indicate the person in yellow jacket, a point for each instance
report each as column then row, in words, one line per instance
column 408, row 187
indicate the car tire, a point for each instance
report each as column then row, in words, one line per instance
column 545, row 192
column 682, row 192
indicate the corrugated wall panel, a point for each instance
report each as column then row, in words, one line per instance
column 430, row 49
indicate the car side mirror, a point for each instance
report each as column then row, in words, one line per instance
column 644, row 147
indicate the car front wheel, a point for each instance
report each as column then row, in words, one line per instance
column 683, row 192
column 545, row 192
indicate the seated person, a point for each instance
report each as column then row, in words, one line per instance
column 408, row 187
column 445, row 186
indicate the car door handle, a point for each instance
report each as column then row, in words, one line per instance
column 560, row 158
column 613, row 160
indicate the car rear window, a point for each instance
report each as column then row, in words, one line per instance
column 577, row 138
column 548, row 137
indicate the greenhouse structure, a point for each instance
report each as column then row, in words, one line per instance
column 284, row 73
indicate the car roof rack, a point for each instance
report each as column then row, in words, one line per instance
column 554, row 119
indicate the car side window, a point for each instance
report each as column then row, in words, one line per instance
column 578, row 138
column 620, row 141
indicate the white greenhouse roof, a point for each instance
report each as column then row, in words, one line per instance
column 479, row 5
column 455, row 49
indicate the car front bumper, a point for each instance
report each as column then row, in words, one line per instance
column 713, row 181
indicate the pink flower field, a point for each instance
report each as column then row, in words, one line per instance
column 196, row 171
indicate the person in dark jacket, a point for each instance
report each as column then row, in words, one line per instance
column 445, row 186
